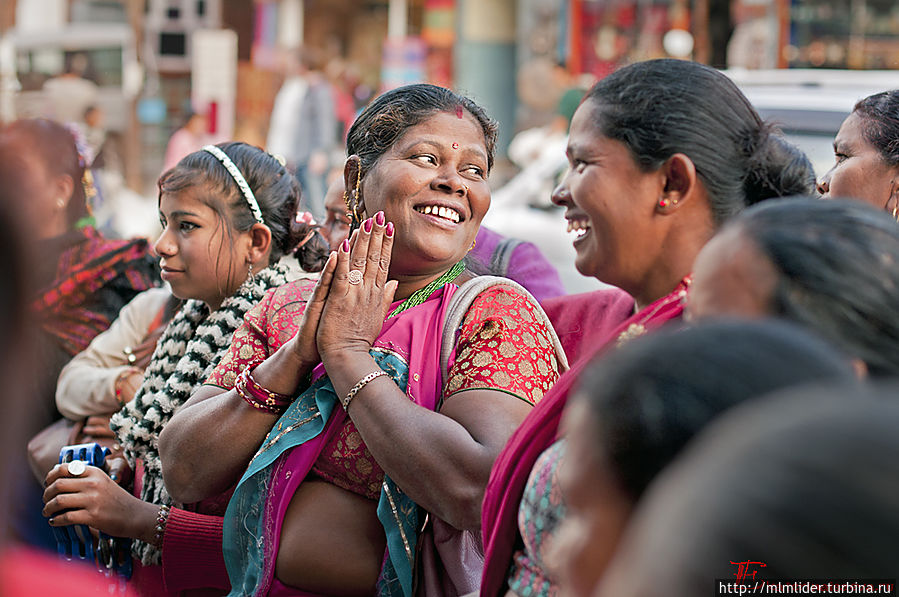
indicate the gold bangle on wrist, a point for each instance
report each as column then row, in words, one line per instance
column 359, row 385
column 162, row 520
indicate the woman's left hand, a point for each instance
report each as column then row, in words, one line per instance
column 92, row 498
column 360, row 294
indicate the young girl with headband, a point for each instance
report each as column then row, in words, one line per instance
column 228, row 213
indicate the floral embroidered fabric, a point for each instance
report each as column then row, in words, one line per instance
column 541, row 512
column 502, row 346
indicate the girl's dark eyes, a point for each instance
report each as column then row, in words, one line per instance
column 187, row 226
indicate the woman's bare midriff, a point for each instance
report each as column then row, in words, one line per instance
column 331, row 543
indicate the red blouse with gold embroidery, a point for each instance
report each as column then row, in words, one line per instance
column 503, row 345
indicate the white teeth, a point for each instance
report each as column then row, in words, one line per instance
column 578, row 226
column 446, row 213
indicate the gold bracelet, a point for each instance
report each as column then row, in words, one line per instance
column 162, row 519
column 359, row 385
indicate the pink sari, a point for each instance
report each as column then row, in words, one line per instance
column 408, row 349
column 499, row 515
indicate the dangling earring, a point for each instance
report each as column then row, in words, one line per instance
column 353, row 210
column 250, row 275
column 896, row 213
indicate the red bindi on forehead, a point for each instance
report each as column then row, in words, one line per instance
column 459, row 112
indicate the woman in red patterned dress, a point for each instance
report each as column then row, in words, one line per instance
column 363, row 437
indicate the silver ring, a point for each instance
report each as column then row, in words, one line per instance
column 77, row 468
column 354, row 277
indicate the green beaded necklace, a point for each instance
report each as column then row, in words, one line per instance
column 422, row 294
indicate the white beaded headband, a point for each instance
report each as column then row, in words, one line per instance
column 234, row 171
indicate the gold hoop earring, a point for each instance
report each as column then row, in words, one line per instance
column 896, row 213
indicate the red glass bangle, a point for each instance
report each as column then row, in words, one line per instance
column 259, row 397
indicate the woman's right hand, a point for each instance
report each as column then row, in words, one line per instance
column 303, row 342
column 92, row 498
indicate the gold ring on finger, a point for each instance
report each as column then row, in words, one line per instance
column 354, row 277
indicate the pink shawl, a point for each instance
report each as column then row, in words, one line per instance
column 499, row 515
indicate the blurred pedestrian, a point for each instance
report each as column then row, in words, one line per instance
column 71, row 93
column 303, row 127
column 190, row 137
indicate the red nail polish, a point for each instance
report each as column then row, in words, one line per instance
column 367, row 225
column 379, row 218
column 389, row 228
column 346, row 245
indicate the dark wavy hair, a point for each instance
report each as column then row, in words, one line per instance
column 394, row 112
column 880, row 123
column 658, row 108
column 275, row 189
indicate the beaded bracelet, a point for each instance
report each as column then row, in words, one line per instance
column 162, row 520
column 259, row 397
column 359, row 385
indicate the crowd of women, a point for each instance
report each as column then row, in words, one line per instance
column 357, row 409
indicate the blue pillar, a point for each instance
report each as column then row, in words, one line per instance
column 484, row 59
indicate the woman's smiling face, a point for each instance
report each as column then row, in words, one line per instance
column 609, row 204
column 432, row 184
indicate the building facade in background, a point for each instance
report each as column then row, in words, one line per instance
column 507, row 54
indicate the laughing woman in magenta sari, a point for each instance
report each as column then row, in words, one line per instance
column 661, row 153
column 357, row 421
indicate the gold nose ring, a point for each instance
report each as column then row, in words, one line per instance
column 466, row 188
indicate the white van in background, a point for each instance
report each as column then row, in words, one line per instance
column 809, row 105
